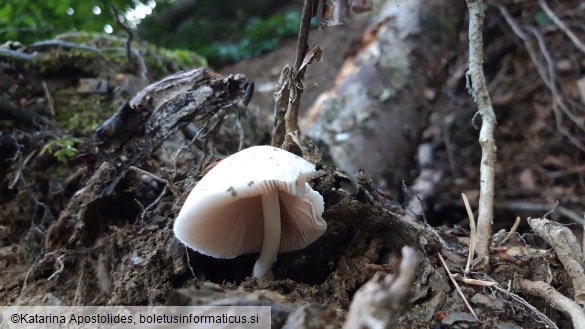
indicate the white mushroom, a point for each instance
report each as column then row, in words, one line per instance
column 256, row 200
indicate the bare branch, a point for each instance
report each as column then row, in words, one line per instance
column 512, row 230
column 296, row 86
column 486, row 134
column 303, row 40
column 281, row 97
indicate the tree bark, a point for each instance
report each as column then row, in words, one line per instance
column 374, row 114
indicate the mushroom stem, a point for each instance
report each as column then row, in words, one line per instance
column 271, row 238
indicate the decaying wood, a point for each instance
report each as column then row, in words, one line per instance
column 373, row 116
column 133, row 133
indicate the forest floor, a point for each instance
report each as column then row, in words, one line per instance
column 121, row 251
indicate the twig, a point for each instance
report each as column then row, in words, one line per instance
column 486, row 134
column 49, row 99
column 451, row 277
column 512, row 230
column 203, row 131
column 151, row 175
column 281, row 98
column 75, row 298
column 296, row 87
column 550, row 13
column 169, row 180
column 551, row 211
column 473, row 235
column 129, row 33
column 477, row 282
column 154, row 203
column 555, row 299
column 302, row 42
column 132, row 54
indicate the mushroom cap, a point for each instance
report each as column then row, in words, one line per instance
column 222, row 216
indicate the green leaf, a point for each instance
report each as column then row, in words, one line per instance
column 542, row 19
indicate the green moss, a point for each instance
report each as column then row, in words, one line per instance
column 184, row 58
column 81, row 114
column 159, row 62
column 71, row 61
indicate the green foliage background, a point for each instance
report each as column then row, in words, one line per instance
column 49, row 17
column 223, row 31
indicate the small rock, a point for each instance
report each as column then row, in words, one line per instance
column 486, row 301
column 458, row 316
column 564, row 65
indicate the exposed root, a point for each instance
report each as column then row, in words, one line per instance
column 555, row 299
column 377, row 304
column 541, row 316
column 567, row 248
